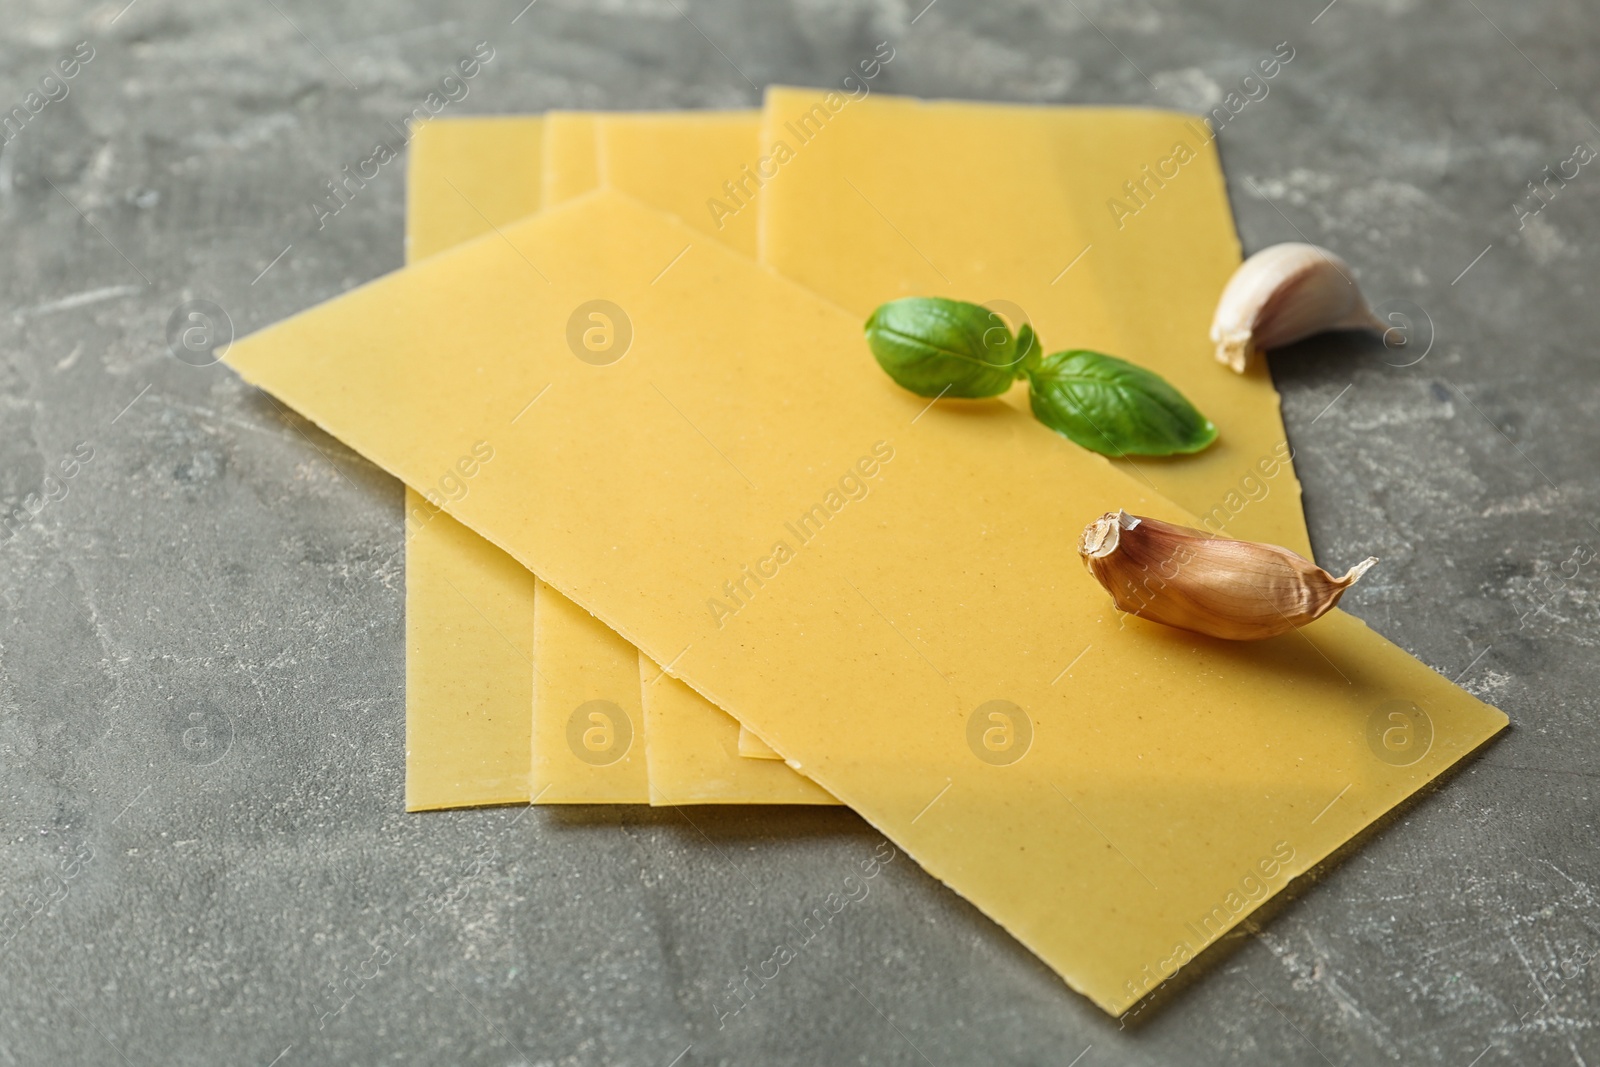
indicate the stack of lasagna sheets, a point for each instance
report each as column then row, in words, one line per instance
column 672, row 537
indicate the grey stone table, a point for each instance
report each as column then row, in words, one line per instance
column 201, row 662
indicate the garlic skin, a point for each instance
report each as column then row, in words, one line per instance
column 1235, row 590
column 1282, row 294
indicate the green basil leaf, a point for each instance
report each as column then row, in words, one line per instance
column 938, row 347
column 1113, row 407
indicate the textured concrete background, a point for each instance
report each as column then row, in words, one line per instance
column 202, row 852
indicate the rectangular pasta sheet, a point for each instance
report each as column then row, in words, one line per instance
column 672, row 161
column 1114, row 842
column 588, row 724
column 469, row 606
column 470, row 618
column 885, row 197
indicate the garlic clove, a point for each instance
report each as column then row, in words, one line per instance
column 1182, row 577
column 1282, row 294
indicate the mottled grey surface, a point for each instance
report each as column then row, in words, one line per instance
column 201, row 662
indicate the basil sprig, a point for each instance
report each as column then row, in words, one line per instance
column 938, row 347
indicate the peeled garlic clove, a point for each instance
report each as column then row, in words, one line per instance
column 1284, row 293
column 1236, row 590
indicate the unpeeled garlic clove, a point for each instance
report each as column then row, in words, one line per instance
column 1237, row 590
column 1284, row 293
